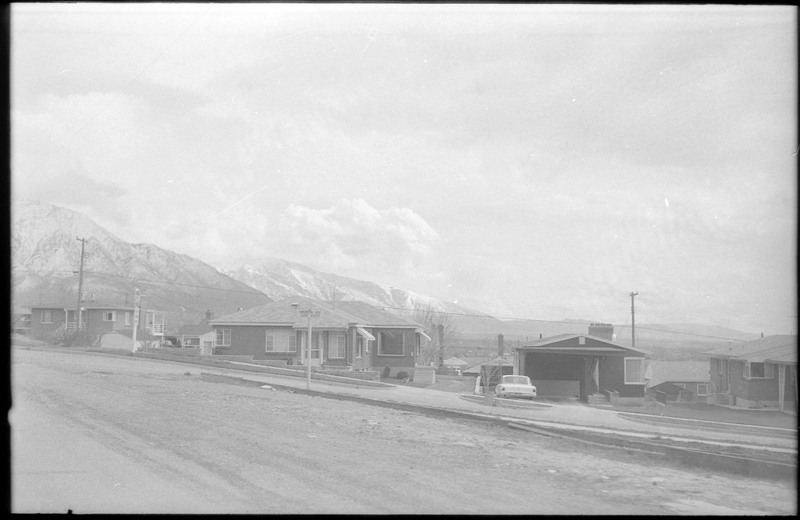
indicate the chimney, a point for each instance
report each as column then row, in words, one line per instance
column 602, row 330
column 209, row 315
column 500, row 346
column 540, row 335
column 762, row 334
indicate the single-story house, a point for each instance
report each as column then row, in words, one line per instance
column 454, row 364
column 582, row 365
column 199, row 335
column 755, row 374
column 686, row 381
column 20, row 320
column 55, row 322
column 491, row 369
column 344, row 334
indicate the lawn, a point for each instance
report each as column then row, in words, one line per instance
column 709, row 412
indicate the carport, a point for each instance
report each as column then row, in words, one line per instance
column 580, row 365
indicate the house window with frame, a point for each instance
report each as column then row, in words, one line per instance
column 109, row 316
column 634, row 371
column 336, row 346
column 391, row 343
column 223, row 338
column 702, row 389
column 280, row 342
column 127, row 318
column 758, row 370
column 359, row 347
column 47, row 316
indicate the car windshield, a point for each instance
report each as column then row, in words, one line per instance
column 516, row 380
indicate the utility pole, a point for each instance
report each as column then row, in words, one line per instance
column 80, row 287
column 137, row 300
column 633, row 322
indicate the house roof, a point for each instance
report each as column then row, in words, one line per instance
column 195, row 329
column 333, row 315
column 476, row 368
column 779, row 348
column 454, row 361
column 561, row 344
column 679, row 371
column 375, row 316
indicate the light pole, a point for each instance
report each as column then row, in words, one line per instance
column 309, row 313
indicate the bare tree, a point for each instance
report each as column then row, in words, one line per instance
column 439, row 327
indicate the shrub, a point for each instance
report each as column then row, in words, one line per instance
column 385, row 373
column 402, row 375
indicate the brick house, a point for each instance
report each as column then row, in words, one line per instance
column 755, row 374
column 54, row 322
column 346, row 335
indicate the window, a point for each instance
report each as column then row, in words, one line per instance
column 336, row 348
column 753, row 370
column 109, row 315
column 634, row 371
column 281, row 343
column 390, row 343
column 127, row 317
column 223, row 337
column 702, row 389
column 47, row 316
column 359, row 347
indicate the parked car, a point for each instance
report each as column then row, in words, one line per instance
column 515, row 386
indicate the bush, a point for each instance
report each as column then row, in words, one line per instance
column 402, row 375
column 442, row 370
column 385, row 373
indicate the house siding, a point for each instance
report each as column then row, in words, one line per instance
column 612, row 377
column 41, row 330
column 395, row 363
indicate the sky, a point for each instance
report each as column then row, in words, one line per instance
column 529, row 161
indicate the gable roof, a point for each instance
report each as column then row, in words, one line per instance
column 455, row 362
column 779, row 348
column 333, row 315
column 560, row 344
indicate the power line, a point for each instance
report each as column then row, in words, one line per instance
column 255, row 292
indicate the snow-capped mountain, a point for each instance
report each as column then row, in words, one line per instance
column 279, row 279
column 46, row 255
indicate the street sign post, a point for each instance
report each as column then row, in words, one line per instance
column 308, row 314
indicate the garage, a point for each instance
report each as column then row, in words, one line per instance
column 581, row 365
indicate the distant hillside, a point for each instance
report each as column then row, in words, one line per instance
column 46, row 257
column 664, row 341
column 280, row 279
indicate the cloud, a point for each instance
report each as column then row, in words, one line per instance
column 352, row 235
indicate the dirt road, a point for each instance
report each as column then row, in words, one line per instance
column 99, row 434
